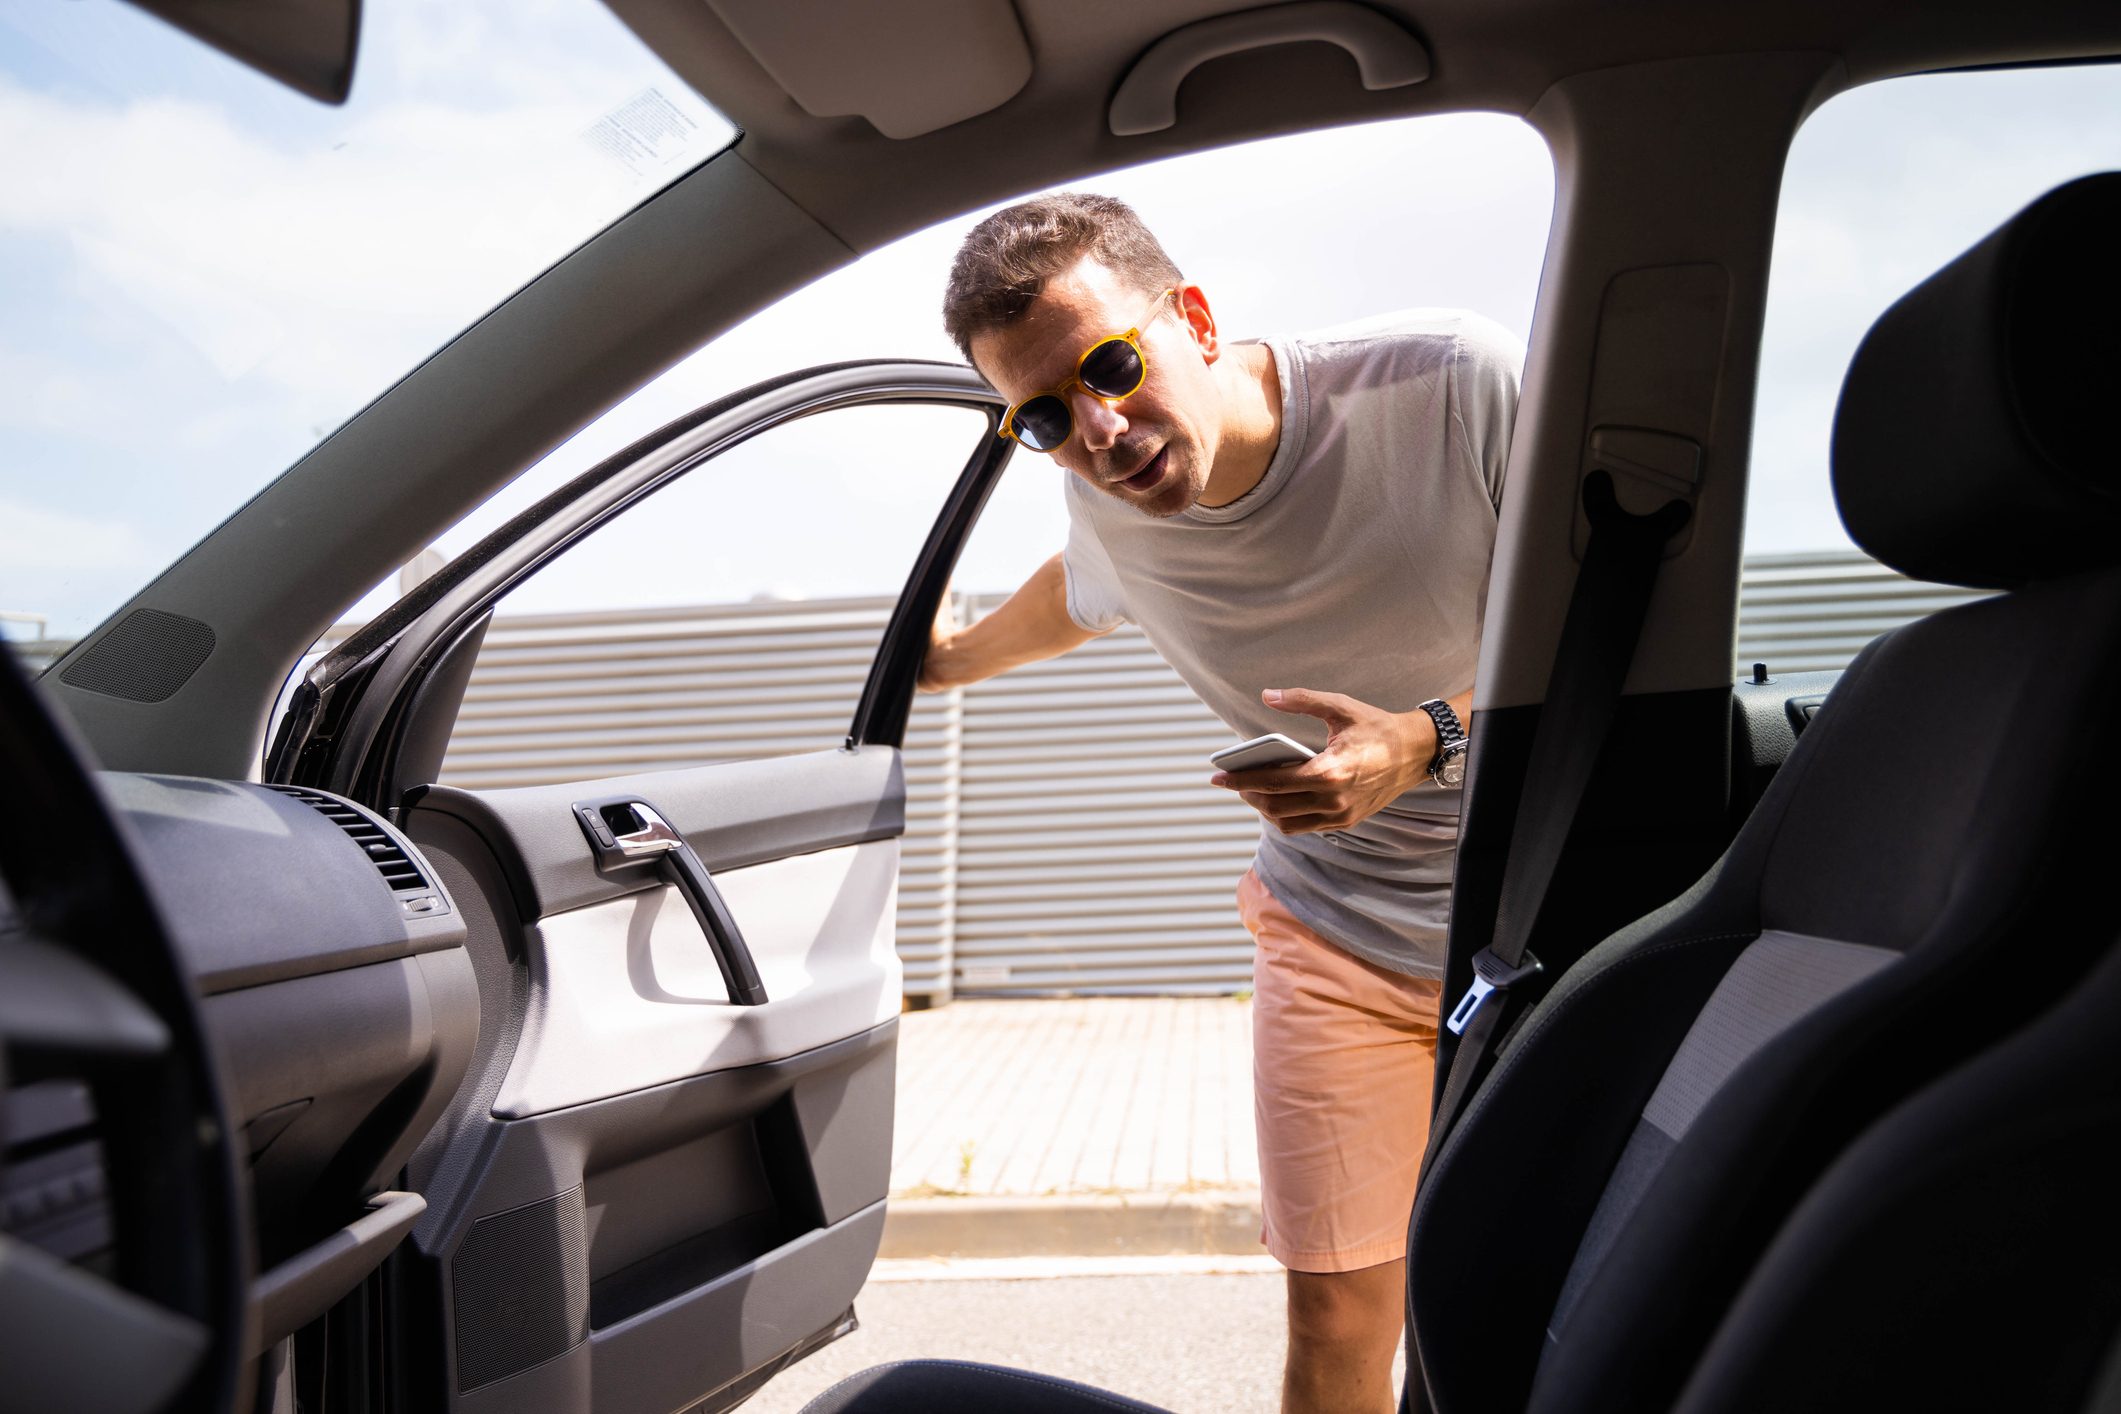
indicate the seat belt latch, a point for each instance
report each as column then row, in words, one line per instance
column 1490, row 974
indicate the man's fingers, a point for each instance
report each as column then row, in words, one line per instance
column 1282, row 806
column 1270, row 779
column 1333, row 708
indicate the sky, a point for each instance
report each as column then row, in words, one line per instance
column 202, row 274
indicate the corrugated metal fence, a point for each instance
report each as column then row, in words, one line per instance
column 1061, row 837
column 1806, row 613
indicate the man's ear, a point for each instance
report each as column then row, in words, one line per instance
column 1191, row 304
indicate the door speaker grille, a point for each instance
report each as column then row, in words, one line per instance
column 519, row 1287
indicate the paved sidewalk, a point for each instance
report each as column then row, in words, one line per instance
column 1075, row 1127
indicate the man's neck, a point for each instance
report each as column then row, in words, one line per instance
column 1251, row 424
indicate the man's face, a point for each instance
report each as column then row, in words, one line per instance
column 1151, row 449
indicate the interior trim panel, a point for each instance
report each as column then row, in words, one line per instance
column 653, row 1195
column 625, row 994
column 712, row 1224
column 733, row 814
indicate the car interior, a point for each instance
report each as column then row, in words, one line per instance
column 1787, row 1074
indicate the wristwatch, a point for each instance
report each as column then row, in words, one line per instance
column 1449, row 768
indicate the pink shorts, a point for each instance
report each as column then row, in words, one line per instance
column 1343, row 1057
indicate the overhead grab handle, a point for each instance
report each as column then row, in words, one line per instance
column 1387, row 55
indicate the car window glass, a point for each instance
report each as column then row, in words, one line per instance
column 1884, row 185
column 731, row 615
column 204, row 273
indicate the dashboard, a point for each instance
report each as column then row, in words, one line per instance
column 330, row 963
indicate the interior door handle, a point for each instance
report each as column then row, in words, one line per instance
column 626, row 832
column 653, row 838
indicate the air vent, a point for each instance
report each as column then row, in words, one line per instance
column 390, row 859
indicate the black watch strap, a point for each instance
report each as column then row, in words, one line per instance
column 1450, row 731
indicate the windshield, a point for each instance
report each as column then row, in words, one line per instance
column 203, row 274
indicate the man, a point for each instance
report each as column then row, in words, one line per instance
column 1302, row 527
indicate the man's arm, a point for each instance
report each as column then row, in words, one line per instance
column 1031, row 624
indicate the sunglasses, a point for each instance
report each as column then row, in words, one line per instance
column 1111, row 368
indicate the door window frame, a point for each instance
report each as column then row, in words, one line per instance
column 350, row 715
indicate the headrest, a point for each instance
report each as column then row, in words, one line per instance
column 1978, row 440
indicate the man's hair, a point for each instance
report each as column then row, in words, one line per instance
column 1007, row 259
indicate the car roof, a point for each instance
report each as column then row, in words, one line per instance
column 749, row 57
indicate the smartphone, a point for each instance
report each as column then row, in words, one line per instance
column 1260, row 752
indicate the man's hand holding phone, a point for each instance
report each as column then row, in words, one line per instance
column 1372, row 757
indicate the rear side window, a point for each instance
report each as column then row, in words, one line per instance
column 1884, row 185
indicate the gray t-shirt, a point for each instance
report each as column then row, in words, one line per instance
column 1359, row 565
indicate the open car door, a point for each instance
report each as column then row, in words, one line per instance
column 664, row 1178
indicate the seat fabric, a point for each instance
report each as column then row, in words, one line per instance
column 961, row 1387
column 1598, row 1203
column 1962, row 1254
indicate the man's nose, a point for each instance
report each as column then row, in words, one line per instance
column 1099, row 422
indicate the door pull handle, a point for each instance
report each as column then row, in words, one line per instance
column 655, row 837
column 625, row 833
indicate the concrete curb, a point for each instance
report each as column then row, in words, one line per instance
column 1221, row 1223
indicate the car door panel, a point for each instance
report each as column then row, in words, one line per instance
column 734, row 814
column 656, row 1193
column 664, row 1177
column 625, row 994
column 658, row 1247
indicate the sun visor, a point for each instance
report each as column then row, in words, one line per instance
column 306, row 44
column 909, row 67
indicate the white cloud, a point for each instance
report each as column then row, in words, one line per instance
column 34, row 537
column 38, row 394
column 329, row 271
column 220, row 319
column 204, row 275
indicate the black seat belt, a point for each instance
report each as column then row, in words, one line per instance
column 1598, row 637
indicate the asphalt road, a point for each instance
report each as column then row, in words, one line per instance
column 1189, row 1343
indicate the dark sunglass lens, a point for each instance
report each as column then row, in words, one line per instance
column 1113, row 369
column 1042, row 423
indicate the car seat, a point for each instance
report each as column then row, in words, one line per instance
column 1912, row 885
column 1965, row 1253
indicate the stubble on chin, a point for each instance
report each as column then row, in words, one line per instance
column 1165, row 504
column 1168, row 501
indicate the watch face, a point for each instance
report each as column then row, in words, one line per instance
column 1450, row 772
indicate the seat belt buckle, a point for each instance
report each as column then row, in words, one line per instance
column 1490, row 974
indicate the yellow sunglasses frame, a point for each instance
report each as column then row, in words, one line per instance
column 1132, row 339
